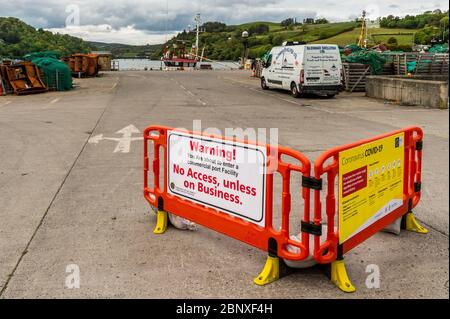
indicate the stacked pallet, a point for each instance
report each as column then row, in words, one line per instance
column 436, row 64
column 400, row 62
column 425, row 63
column 396, row 64
column 355, row 76
column 388, row 68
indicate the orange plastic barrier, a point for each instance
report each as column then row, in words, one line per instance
column 331, row 250
column 265, row 238
column 403, row 178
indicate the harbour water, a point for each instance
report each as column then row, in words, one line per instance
column 141, row 64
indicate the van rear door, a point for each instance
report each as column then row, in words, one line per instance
column 322, row 65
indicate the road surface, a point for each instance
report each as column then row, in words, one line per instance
column 69, row 195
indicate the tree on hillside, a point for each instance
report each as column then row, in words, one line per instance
column 392, row 41
column 277, row 40
column 183, row 35
column 321, row 21
column 19, row 39
column 287, row 22
column 10, row 38
column 444, row 27
column 414, row 22
column 426, row 35
column 214, row 26
column 259, row 28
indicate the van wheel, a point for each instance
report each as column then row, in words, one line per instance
column 294, row 90
column 264, row 84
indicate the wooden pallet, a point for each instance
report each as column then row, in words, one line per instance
column 355, row 76
column 388, row 68
column 426, row 63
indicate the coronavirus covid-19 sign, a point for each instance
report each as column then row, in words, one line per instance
column 370, row 183
column 224, row 175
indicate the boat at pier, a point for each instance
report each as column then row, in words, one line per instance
column 177, row 56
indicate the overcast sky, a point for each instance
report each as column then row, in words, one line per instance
column 151, row 21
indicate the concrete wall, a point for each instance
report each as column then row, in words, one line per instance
column 408, row 91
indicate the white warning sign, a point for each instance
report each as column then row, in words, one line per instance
column 225, row 175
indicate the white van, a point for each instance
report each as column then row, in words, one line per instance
column 303, row 68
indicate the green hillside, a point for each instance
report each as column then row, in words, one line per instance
column 375, row 36
column 273, row 26
column 126, row 51
column 225, row 43
column 18, row 38
column 222, row 42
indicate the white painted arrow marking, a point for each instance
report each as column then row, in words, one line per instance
column 124, row 142
column 96, row 139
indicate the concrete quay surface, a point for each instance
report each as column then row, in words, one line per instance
column 65, row 201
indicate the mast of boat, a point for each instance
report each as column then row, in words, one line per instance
column 198, row 22
column 203, row 51
column 165, row 22
column 164, row 47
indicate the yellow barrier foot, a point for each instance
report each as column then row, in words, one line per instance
column 339, row 276
column 413, row 225
column 161, row 222
column 270, row 273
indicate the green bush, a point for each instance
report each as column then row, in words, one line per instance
column 259, row 28
column 254, row 41
column 392, row 41
column 323, row 35
column 427, row 34
column 277, row 40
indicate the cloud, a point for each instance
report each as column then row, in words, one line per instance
column 105, row 33
column 147, row 19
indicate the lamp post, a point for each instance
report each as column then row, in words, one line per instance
column 245, row 43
